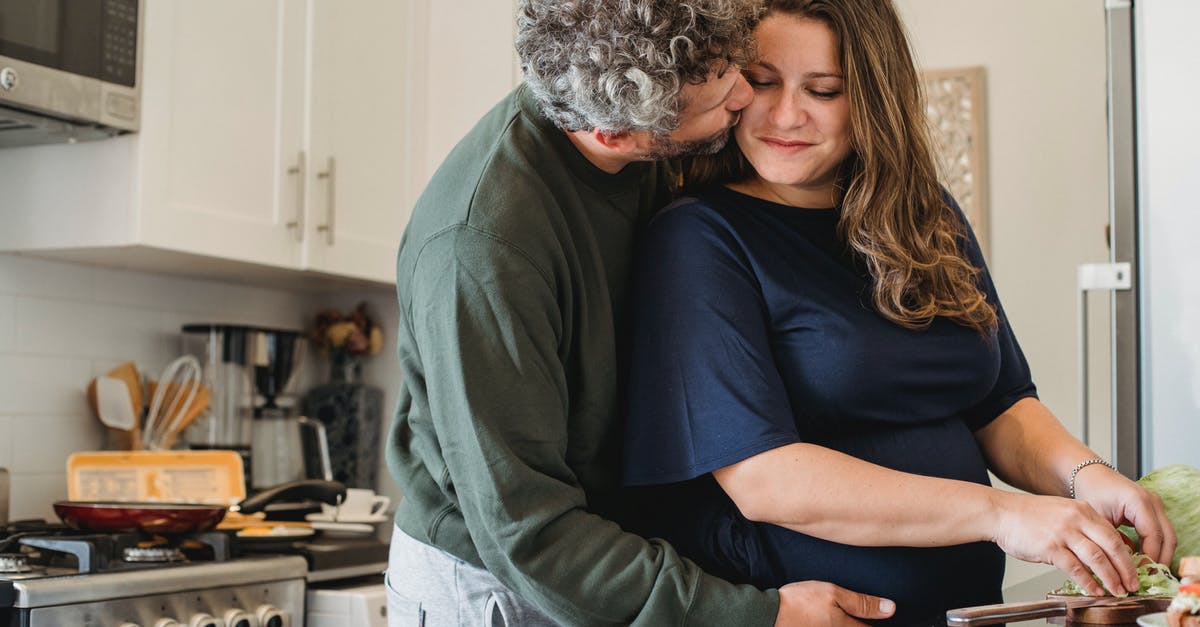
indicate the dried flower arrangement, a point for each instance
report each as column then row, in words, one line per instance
column 354, row 333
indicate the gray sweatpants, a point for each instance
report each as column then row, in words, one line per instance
column 427, row 587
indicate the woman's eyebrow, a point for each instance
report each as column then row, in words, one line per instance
column 772, row 68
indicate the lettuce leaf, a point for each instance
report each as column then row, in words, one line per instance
column 1178, row 486
column 1154, row 580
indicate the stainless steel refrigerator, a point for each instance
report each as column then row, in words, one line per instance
column 1151, row 275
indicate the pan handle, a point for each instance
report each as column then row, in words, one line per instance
column 1004, row 613
column 331, row 492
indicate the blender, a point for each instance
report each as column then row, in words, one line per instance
column 223, row 351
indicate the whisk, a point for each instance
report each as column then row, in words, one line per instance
column 173, row 397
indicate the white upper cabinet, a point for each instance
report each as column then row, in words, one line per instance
column 279, row 135
column 359, row 196
column 223, row 124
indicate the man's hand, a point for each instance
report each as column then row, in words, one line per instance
column 820, row 604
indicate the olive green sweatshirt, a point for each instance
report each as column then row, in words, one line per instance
column 512, row 280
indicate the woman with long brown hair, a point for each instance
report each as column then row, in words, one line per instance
column 822, row 371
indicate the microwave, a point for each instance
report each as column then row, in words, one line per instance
column 68, row 70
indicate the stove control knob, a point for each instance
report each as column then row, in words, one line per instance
column 168, row 622
column 203, row 620
column 271, row 616
column 238, row 618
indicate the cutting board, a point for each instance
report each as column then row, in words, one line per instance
column 1079, row 610
column 1127, row 610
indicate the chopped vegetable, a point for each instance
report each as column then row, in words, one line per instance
column 1154, row 580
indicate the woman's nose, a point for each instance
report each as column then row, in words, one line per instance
column 788, row 110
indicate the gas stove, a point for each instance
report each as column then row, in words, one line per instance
column 52, row 576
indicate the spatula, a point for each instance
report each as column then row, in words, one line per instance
column 113, row 404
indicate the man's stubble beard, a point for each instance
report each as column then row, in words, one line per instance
column 666, row 148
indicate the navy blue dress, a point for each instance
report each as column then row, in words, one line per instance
column 753, row 330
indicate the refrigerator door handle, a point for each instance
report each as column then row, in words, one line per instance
column 1094, row 276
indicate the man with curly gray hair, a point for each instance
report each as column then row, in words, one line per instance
column 512, row 281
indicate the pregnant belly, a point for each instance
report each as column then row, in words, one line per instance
column 923, row 581
column 945, row 449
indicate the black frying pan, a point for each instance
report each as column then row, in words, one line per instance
column 107, row 517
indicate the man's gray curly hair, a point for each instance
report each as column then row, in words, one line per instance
column 619, row 65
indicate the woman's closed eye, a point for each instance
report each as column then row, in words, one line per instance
column 759, row 81
column 825, row 94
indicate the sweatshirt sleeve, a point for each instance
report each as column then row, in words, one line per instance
column 489, row 326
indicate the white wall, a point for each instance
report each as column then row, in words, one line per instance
column 1047, row 168
column 1168, row 165
column 62, row 324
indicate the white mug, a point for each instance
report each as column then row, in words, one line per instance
column 359, row 504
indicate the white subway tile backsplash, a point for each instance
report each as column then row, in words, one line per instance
column 8, row 325
column 38, row 277
column 152, row 291
column 45, row 442
column 62, row 324
column 193, row 298
column 6, row 445
column 41, row 386
column 55, row 327
column 32, row 494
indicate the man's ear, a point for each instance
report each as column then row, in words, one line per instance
column 626, row 142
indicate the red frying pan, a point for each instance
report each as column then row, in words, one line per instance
column 108, row 517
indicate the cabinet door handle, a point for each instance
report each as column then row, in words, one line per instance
column 297, row 224
column 330, row 208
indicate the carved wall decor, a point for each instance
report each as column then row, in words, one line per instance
column 954, row 102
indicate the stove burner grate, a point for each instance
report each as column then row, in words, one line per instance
column 152, row 554
column 14, row 563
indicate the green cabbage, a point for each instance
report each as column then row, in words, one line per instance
column 1179, row 488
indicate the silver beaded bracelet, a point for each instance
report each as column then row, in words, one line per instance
column 1081, row 466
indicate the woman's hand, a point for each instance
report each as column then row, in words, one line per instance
column 1070, row 535
column 820, row 604
column 1122, row 501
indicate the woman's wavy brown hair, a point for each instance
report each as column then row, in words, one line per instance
column 894, row 216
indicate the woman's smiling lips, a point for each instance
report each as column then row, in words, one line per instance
column 785, row 145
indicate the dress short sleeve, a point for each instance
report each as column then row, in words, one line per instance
column 705, row 391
